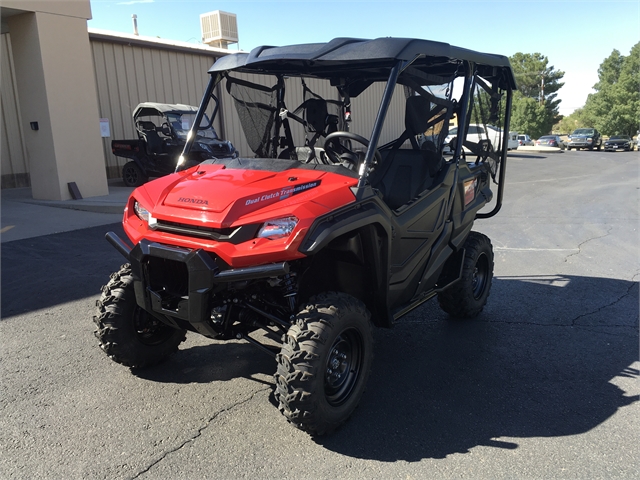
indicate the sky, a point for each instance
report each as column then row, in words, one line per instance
column 576, row 36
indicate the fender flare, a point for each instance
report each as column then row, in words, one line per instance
column 362, row 216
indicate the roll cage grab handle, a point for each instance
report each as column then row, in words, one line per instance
column 503, row 161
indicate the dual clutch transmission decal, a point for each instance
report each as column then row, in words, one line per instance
column 282, row 194
column 255, row 202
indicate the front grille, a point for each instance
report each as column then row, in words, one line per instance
column 220, row 150
column 167, row 277
column 233, row 235
column 194, row 230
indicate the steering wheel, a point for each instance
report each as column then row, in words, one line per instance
column 333, row 153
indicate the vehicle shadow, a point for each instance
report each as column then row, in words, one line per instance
column 538, row 362
column 216, row 362
column 540, row 369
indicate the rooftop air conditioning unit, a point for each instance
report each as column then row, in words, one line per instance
column 219, row 29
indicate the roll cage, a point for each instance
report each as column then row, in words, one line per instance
column 484, row 82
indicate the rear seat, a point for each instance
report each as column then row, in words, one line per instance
column 407, row 174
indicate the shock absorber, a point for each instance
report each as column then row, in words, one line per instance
column 290, row 288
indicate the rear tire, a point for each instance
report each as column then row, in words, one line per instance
column 126, row 332
column 132, row 175
column 467, row 297
column 324, row 363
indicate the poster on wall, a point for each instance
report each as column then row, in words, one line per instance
column 104, row 127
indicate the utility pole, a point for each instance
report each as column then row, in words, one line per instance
column 542, row 89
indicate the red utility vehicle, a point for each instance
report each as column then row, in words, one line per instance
column 337, row 221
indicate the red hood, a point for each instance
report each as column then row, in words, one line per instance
column 217, row 196
column 214, row 189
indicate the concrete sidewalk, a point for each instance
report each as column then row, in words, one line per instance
column 24, row 217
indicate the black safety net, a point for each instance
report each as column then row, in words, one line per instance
column 257, row 109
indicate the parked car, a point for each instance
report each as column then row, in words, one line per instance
column 525, row 141
column 618, row 142
column 585, row 138
column 551, row 141
column 162, row 133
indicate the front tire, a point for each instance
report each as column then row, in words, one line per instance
column 126, row 332
column 132, row 175
column 324, row 363
column 467, row 297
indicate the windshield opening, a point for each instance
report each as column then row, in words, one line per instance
column 181, row 123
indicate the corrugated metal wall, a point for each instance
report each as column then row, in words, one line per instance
column 127, row 74
column 15, row 166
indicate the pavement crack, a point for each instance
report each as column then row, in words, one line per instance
column 199, row 432
column 562, row 325
column 610, row 304
column 579, row 248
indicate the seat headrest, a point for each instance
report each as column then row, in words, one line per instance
column 316, row 114
column 417, row 114
column 147, row 126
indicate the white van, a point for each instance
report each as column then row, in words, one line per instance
column 481, row 132
column 513, row 141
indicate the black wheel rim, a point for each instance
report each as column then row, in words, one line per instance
column 130, row 175
column 343, row 367
column 480, row 276
column 149, row 330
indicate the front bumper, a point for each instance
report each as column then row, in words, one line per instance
column 617, row 146
column 581, row 144
column 178, row 282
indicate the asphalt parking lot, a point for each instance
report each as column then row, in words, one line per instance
column 543, row 384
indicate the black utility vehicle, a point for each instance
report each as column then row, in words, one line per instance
column 162, row 133
column 338, row 220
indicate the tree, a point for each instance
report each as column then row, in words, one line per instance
column 615, row 107
column 529, row 116
column 537, row 82
column 570, row 123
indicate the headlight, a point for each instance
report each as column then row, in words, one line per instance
column 144, row 214
column 589, row 139
column 206, row 147
column 279, row 228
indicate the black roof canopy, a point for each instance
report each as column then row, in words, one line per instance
column 370, row 60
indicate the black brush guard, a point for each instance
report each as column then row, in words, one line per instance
column 192, row 302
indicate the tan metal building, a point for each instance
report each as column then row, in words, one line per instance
column 125, row 69
column 48, row 98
